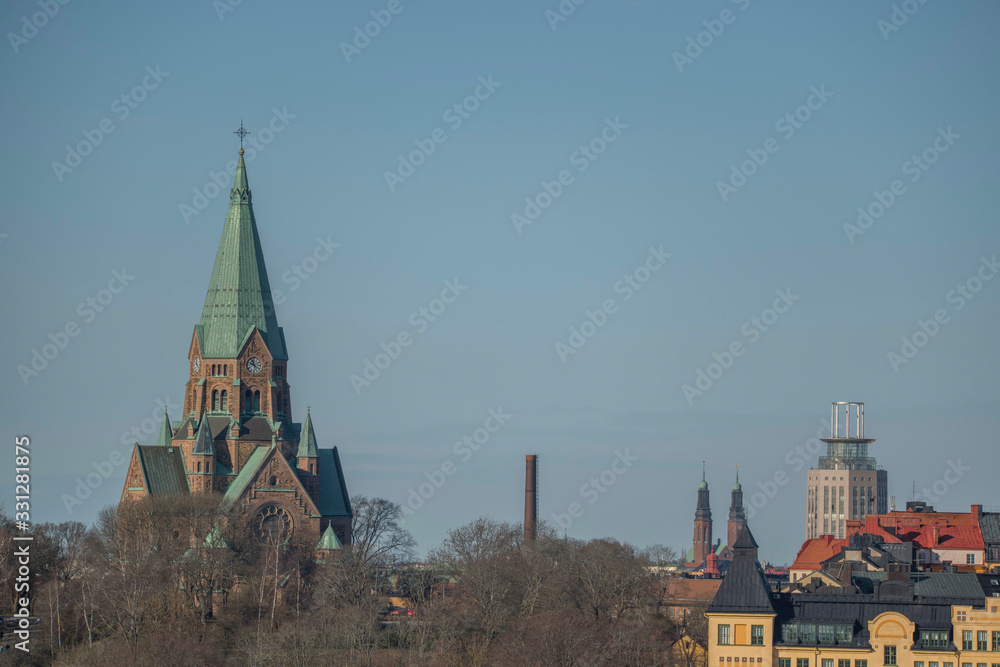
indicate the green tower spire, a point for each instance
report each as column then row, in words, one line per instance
column 239, row 294
column 307, row 439
column 166, row 433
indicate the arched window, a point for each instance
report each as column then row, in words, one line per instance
column 248, row 401
column 278, row 403
column 199, row 466
column 256, row 401
column 225, row 400
column 225, row 369
column 215, row 399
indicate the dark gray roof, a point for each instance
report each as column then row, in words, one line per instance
column 163, row 469
column 990, row 525
column 333, row 497
column 744, row 588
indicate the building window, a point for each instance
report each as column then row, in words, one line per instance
column 256, row 401
column 826, row 635
column 843, row 663
column 970, row 559
column 934, row 638
column 215, row 399
column 996, row 641
column 723, row 635
column 199, row 466
column 802, row 662
column 967, row 641
column 784, row 662
column 789, row 634
column 807, row 632
column 860, row 663
column 889, row 653
column 827, row 662
column 844, row 634
column 757, row 635
column 981, row 641
column 225, row 400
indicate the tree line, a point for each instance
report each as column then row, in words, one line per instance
column 181, row 581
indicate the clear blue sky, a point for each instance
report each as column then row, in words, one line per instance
column 656, row 184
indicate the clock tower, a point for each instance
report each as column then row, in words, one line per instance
column 236, row 435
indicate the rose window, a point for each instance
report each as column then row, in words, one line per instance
column 272, row 525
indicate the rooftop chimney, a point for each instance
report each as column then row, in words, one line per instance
column 530, row 497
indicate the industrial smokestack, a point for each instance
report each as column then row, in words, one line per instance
column 530, row 497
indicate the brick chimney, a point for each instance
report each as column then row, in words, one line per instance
column 530, row 497
column 935, row 535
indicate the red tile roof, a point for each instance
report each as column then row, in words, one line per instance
column 815, row 551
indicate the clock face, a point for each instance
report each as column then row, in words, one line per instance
column 197, row 364
column 253, row 365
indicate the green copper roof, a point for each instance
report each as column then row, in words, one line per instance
column 307, row 439
column 162, row 469
column 239, row 295
column 247, row 473
column 328, row 540
column 166, row 433
column 203, row 442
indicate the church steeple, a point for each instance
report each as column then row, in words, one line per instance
column 737, row 516
column 166, row 433
column 702, row 522
column 239, row 294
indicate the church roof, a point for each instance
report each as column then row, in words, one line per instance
column 166, row 433
column 239, row 294
column 247, row 473
column 204, row 444
column 333, row 497
column 162, row 469
column 307, row 439
column 328, row 540
column 744, row 588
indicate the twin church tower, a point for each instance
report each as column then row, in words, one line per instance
column 236, row 436
column 704, row 553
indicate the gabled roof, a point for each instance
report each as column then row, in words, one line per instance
column 163, row 469
column 307, row 439
column 239, row 294
column 166, row 433
column 333, row 497
column 328, row 540
column 744, row 588
column 203, row 442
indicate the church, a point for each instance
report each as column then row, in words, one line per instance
column 236, row 436
column 714, row 558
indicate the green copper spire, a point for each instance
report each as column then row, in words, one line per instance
column 328, row 540
column 307, row 439
column 703, row 484
column 203, row 443
column 737, row 486
column 239, row 295
column 166, row 433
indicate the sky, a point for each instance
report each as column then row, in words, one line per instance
column 670, row 233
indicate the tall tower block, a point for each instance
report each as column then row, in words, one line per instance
column 847, row 483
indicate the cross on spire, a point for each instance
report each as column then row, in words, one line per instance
column 703, row 470
column 241, row 133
